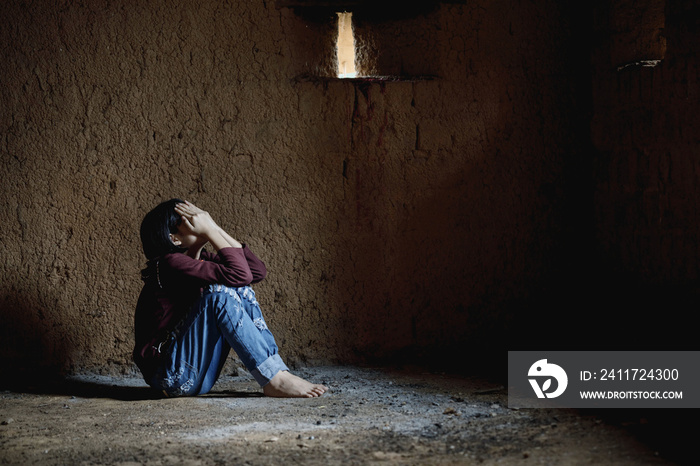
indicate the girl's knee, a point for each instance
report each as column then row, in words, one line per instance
column 222, row 292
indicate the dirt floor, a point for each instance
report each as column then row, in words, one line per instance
column 370, row 416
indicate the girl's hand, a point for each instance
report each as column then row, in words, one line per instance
column 196, row 220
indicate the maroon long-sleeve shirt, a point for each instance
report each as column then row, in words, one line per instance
column 171, row 285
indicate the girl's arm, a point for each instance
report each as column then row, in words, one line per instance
column 257, row 267
column 231, row 242
column 235, row 265
column 231, row 269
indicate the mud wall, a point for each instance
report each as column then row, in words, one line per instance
column 396, row 216
column 645, row 131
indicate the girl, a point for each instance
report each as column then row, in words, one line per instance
column 195, row 306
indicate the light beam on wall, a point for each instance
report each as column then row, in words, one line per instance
column 346, row 46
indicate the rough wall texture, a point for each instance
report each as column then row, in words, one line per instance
column 645, row 131
column 392, row 214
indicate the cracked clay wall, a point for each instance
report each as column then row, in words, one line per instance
column 396, row 217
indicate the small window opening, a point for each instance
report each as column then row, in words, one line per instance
column 346, row 46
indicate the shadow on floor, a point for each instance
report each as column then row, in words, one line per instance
column 80, row 388
column 103, row 389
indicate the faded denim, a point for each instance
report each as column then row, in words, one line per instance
column 221, row 319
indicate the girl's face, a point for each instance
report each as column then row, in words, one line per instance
column 184, row 237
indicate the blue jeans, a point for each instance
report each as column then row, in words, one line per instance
column 221, row 319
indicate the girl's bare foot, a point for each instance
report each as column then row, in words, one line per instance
column 287, row 385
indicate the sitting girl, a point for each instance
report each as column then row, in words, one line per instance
column 195, row 306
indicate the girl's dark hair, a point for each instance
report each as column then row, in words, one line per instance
column 156, row 228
